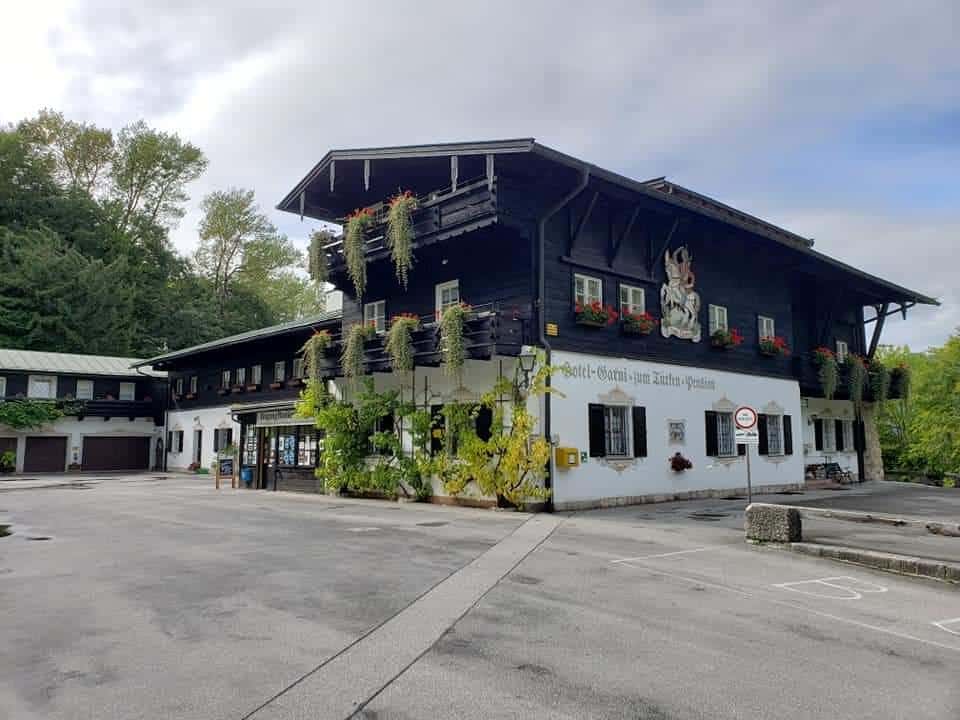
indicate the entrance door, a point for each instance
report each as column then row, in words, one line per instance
column 268, row 458
column 45, row 454
column 197, row 446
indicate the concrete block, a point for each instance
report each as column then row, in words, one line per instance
column 772, row 523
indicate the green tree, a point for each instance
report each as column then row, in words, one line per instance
column 81, row 153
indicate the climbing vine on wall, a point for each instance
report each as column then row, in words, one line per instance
column 29, row 414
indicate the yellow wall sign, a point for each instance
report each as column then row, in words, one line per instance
column 552, row 329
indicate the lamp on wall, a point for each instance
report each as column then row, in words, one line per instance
column 527, row 360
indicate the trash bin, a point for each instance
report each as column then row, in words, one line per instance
column 246, row 475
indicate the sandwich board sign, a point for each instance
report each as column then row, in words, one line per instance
column 745, row 426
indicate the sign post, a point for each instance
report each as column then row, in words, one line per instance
column 225, row 468
column 746, row 434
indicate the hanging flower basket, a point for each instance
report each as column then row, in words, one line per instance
column 595, row 315
column 638, row 323
column 773, row 346
column 827, row 370
column 678, row 463
column 726, row 339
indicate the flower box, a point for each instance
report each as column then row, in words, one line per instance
column 189, row 396
column 223, row 391
column 591, row 322
column 276, row 385
column 773, row 346
column 252, row 388
column 726, row 339
column 637, row 323
column 236, row 389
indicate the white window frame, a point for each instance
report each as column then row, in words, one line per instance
column 633, row 300
column 848, row 444
column 375, row 313
column 131, row 391
column 51, row 379
column 843, row 350
column 726, row 435
column 282, row 375
column 440, row 289
column 297, row 369
column 178, row 386
column 582, row 289
column 774, row 434
column 193, row 385
column 829, row 426
column 86, row 383
column 626, row 441
column 717, row 318
column 256, row 374
column 766, row 323
column 224, row 379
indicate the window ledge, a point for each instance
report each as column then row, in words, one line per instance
column 726, row 459
column 619, row 463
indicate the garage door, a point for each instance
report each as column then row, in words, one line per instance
column 45, row 454
column 116, row 453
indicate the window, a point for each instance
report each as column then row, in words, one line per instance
column 128, row 391
column 617, row 430
column 307, row 447
column 632, row 300
column 241, row 376
column 255, row 374
column 287, row 446
column 375, row 313
column 720, row 434
column 84, row 389
column 766, row 327
column 718, row 318
column 842, row 351
column 773, row 434
column 297, row 367
column 384, row 424
column 224, row 379
column 829, row 431
column 250, row 446
column 193, row 384
column 197, row 446
column 177, row 445
column 3, row 387
column 279, row 371
column 448, row 294
column 222, row 438
column 178, row 386
column 43, row 387
column 848, row 442
column 587, row 290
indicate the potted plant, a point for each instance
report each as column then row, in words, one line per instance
column 355, row 247
column 453, row 348
column 856, row 372
column 726, row 339
column 595, row 314
column 400, row 233
column 827, row 370
column 8, row 462
column 637, row 323
column 773, row 346
column 678, row 463
column 400, row 341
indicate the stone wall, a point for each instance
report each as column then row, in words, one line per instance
column 872, row 457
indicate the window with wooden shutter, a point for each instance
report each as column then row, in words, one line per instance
column 787, row 435
column 596, row 430
column 838, row 435
column 713, row 446
column 763, row 448
column 639, row 431
column 818, row 434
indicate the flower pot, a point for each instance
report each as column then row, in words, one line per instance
column 276, row 386
column 590, row 322
column 634, row 330
column 720, row 345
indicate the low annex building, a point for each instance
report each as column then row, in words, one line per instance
column 113, row 414
column 666, row 309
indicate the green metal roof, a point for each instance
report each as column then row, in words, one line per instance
column 327, row 317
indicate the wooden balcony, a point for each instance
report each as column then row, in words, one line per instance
column 440, row 215
column 107, row 409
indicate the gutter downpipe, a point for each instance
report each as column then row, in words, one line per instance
column 541, row 316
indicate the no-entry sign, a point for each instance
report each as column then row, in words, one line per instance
column 745, row 426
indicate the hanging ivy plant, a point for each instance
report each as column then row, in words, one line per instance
column 313, row 351
column 317, row 263
column 452, row 345
column 856, row 379
column 400, row 341
column 28, row 414
column 400, row 233
column 827, row 371
column 355, row 247
column 900, row 381
column 351, row 359
column 879, row 382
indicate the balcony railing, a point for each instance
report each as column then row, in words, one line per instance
column 112, row 408
column 440, row 215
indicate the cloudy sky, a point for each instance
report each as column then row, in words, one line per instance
column 837, row 120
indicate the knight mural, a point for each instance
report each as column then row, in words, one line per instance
column 679, row 302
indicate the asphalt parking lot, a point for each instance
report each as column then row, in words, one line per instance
column 164, row 598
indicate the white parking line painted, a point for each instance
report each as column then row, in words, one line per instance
column 663, row 555
column 842, row 587
column 943, row 625
column 798, row 606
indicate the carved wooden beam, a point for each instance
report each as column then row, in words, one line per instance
column 877, row 329
column 615, row 245
column 583, row 223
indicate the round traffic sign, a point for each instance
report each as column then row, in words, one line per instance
column 745, row 417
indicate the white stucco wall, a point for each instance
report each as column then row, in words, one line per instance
column 206, row 419
column 75, row 430
column 643, row 384
column 827, row 410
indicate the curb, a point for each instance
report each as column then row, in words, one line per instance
column 900, row 564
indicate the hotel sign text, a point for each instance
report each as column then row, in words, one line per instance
column 601, row 372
